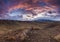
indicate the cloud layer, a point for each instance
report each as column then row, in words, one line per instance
column 28, row 10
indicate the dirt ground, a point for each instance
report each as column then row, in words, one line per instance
column 15, row 31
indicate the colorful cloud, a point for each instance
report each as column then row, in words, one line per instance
column 28, row 10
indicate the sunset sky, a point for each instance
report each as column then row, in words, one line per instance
column 30, row 10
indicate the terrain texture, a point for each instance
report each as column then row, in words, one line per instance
column 17, row 31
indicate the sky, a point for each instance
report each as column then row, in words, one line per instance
column 30, row 10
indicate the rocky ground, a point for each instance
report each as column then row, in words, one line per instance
column 17, row 31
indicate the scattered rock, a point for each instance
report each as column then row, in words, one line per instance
column 15, row 36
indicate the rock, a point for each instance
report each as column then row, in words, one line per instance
column 57, row 37
column 15, row 36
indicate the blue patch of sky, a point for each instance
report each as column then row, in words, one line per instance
column 18, row 11
column 41, row 3
column 6, row 1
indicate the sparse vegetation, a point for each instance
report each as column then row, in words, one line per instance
column 17, row 31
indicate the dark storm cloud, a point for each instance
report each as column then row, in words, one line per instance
column 55, row 2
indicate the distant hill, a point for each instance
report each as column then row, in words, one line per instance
column 44, row 20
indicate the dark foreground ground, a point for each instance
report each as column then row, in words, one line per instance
column 13, row 31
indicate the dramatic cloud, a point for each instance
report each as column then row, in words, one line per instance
column 28, row 10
